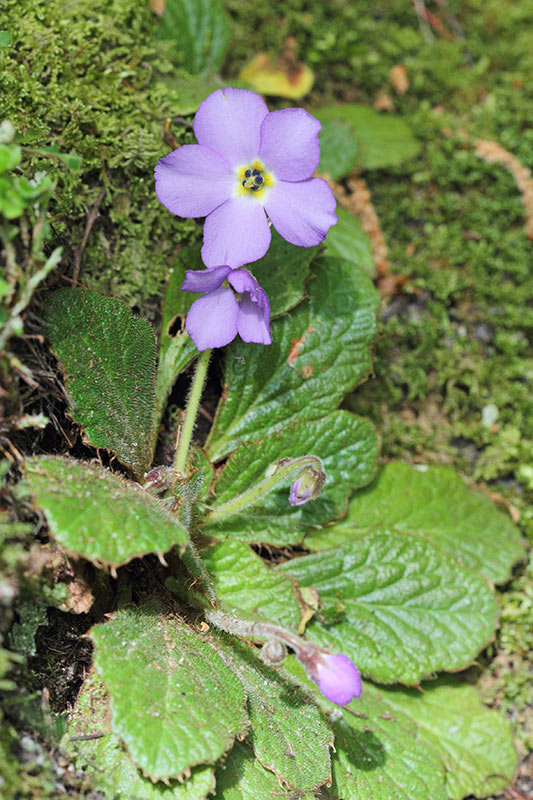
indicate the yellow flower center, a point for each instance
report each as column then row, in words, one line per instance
column 253, row 180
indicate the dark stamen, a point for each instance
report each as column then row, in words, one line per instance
column 247, row 173
column 244, row 183
column 256, row 172
column 259, row 179
column 255, row 188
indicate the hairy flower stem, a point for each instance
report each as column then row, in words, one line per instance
column 285, row 469
column 306, row 652
column 187, row 428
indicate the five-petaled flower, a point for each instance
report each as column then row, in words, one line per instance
column 337, row 677
column 248, row 161
column 233, row 303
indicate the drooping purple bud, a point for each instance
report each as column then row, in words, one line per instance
column 307, row 486
column 338, row 678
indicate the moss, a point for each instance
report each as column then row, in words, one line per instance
column 82, row 77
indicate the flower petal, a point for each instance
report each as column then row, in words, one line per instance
column 236, row 233
column 289, row 144
column 253, row 322
column 229, row 121
column 301, row 212
column 204, row 280
column 212, row 319
column 193, row 180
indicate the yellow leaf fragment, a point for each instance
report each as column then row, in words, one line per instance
column 309, row 601
column 288, row 78
column 399, row 79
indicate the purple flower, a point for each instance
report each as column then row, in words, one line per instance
column 233, row 303
column 337, row 677
column 248, row 161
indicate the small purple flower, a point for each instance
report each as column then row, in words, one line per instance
column 233, row 303
column 307, row 486
column 248, row 161
column 337, row 677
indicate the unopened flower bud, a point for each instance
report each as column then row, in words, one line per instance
column 338, row 678
column 307, row 486
column 273, row 652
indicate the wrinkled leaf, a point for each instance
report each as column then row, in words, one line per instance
column 109, row 360
column 348, row 240
column 241, row 777
column 199, row 32
column 379, row 752
column 173, row 711
column 475, row 743
column 436, row 503
column 339, row 149
column 384, row 140
column 109, row 766
column 245, row 585
column 319, row 352
column 97, row 514
column 348, row 448
column 397, row 605
column 289, row 734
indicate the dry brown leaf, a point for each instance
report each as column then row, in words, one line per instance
column 399, row 79
column 383, row 102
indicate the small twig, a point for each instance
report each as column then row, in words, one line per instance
column 451, row 19
column 78, row 251
column 87, row 737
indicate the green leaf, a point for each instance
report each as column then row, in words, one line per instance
column 436, row 503
column 71, row 160
column 339, row 149
column 246, row 585
column 320, row 351
column 400, row 607
column 98, row 515
column 289, row 734
column 176, row 348
column 348, row 447
column 5, row 38
column 109, row 766
column 109, row 360
column 475, row 743
column 10, row 155
column 173, row 702
column 379, row 752
column 282, row 273
column 242, row 777
column 199, row 31
column 384, row 140
column 348, row 240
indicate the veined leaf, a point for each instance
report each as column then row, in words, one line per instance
column 109, row 360
column 398, row 606
column 173, row 702
column 97, row 514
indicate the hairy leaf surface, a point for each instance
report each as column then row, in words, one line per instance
column 173, row 702
column 109, row 766
column 289, row 734
column 108, row 357
column 97, row 514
